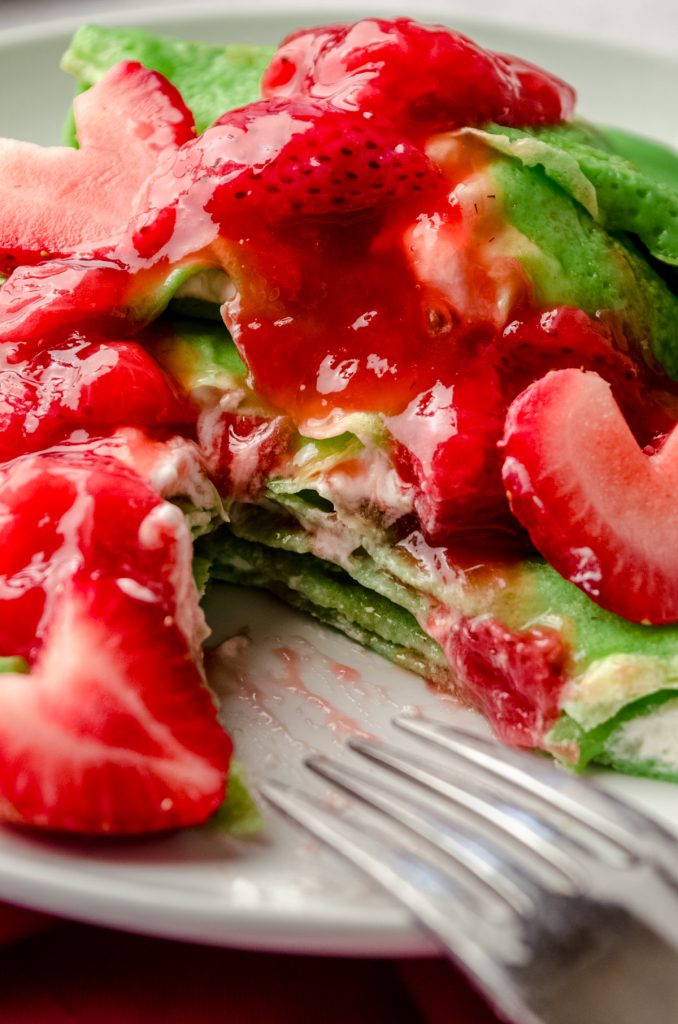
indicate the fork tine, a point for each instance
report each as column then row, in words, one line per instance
column 431, row 897
column 582, row 801
column 574, row 961
column 449, row 830
column 537, row 839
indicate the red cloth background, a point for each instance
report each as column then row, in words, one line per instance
column 57, row 973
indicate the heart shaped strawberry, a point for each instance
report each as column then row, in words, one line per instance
column 55, row 201
column 108, row 733
column 598, row 508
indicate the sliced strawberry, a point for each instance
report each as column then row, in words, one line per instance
column 513, row 678
column 276, row 161
column 598, row 508
column 60, row 200
column 172, row 466
column 86, row 385
column 39, row 305
column 108, row 733
column 567, row 337
column 336, row 163
column 446, row 444
column 64, row 512
column 425, row 77
column 38, row 302
column 242, row 450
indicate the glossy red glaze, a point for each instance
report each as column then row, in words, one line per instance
column 425, row 76
column 446, row 443
column 85, row 385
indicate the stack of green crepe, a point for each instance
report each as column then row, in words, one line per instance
column 596, row 226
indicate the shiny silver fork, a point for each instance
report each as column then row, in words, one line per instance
column 558, row 901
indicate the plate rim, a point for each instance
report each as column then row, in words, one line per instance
column 376, row 930
column 53, row 27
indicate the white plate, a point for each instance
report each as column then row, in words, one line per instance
column 297, row 687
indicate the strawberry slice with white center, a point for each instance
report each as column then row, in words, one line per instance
column 63, row 513
column 110, row 734
column 598, row 507
column 55, row 201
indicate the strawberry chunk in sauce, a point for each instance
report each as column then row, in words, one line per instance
column 242, row 451
column 85, row 385
column 513, row 678
column 425, row 77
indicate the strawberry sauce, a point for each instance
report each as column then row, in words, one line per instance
column 423, row 76
column 357, row 236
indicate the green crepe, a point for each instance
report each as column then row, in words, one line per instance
column 211, row 79
column 652, row 158
column 585, row 212
column 626, row 197
column 590, row 215
column 593, row 219
column 614, row 678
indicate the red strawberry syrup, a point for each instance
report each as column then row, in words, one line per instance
column 361, row 282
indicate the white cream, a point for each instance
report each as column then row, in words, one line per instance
column 651, row 737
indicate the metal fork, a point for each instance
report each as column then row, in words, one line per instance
column 558, row 901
